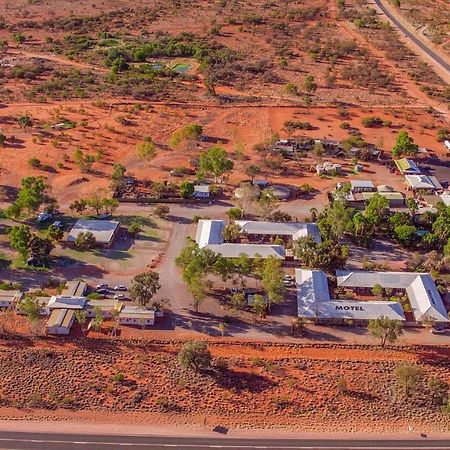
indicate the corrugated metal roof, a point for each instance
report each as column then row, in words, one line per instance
column 358, row 310
column 423, row 182
column 293, row 229
column 425, row 300
column 312, row 289
column 362, row 184
column 62, row 302
column 420, row 287
column 251, row 250
column 103, row 230
column 209, row 232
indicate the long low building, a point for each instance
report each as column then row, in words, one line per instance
column 60, row 321
column 292, row 229
column 314, row 303
column 9, row 298
column 209, row 235
column 423, row 183
column 426, row 302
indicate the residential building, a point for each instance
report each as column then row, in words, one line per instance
column 135, row 315
column 423, row 183
column 201, row 191
column 108, row 307
column 362, row 186
column 314, row 303
column 104, row 231
column 75, row 288
column 66, row 302
column 60, row 321
column 9, row 298
column 209, row 235
column 426, row 302
column 407, row 166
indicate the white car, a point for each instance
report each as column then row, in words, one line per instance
column 43, row 216
column 102, row 286
column 120, row 297
column 120, row 287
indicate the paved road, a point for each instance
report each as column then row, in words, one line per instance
column 47, row 441
column 432, row 54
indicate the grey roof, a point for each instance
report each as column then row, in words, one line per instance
column 360, row 310
column 74, row 288
column 312, row 289
column 11, row 295
column 103, row 230
column 363, row 278
column 62, row 302
column 420, row 288
column 204, row 188
column 362, row 184
column 423, row 182
column 61, row 317
column 209, row 232
column 102, row 304
column 136, row 312
column 293, row 229
column 426, row 303
column 251, row 250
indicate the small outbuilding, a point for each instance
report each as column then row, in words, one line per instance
column 357, row 186
column 201, row 191
column 407, row 166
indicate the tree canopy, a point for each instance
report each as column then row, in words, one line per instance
column 144, row 287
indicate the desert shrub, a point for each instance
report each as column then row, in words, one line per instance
column 372, row 121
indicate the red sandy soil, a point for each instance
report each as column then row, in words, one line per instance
column 264, row 386
column 234, row 126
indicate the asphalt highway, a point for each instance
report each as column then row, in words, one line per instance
column 433, row 55
column 49, row 441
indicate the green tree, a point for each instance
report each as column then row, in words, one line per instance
column 235, row 213
column 146, row 150
column 81, row 317
column 378, row 291
column 237, row 302
column 31, row 307
column 259, row 306
column 406, row 234
column 267, row 203
column 110, row 205
column 309, row 84
column 32, row 194
column 185, row 135
column 272, row 280
column 144, row 287
column 195, row 355
column 85, row 240
column 98, row 319
column 40, row 249
column 409, row 377
column 291, row 89
column 187, row 189
column 118, row 176
column 377, row 210
column 78, row 205
column 252, row 171
column 55, row 233
column 215, row 162
column 83, row 161
column 96, row 203
column 134, row 228
column 231, row 233
column 404, row 145
column 19, row 238
column 24, row 121
column 386, row 329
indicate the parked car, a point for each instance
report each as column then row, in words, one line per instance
column 438, row 329
column 57, row 224
column 288, row 277
column 44, row 216
column 288, row 283
column 120, row 297
column 102, row 291
column 120, row 287
column 102, row 285
column 104, row 216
